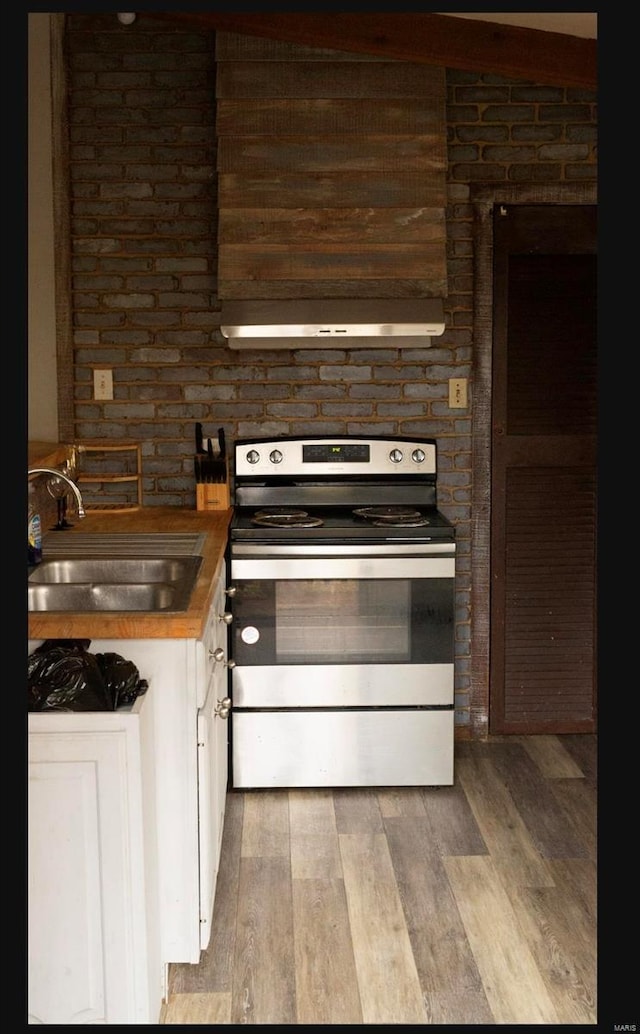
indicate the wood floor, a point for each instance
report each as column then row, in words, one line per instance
column 474, row 903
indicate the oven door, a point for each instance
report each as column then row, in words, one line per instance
column 343, row 626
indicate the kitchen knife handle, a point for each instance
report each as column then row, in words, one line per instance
column 199, row 441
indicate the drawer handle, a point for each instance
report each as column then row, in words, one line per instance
column 218, row 655
column 223, row 707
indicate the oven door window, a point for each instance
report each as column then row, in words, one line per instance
column 343, row 621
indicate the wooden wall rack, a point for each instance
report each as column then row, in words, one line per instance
column 134, row 477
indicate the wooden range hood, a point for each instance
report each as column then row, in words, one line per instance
column 331, row 197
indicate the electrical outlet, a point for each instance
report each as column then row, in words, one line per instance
column 458, row 393
column 103, row 384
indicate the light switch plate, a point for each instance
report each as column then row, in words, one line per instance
column 458, row 393
column 103, row 384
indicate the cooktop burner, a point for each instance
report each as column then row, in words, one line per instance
column 392, row 516
column 390, row 512
column 400, row 522
column 285, row 519
column 335, row 525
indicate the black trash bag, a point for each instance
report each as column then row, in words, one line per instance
column 63, row 676
column 122, row 678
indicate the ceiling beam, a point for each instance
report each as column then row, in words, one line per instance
column 476, row 46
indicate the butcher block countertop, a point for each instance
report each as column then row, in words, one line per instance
column 188, row 624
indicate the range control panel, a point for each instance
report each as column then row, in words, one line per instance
column 336, row 456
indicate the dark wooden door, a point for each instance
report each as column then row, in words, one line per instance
column 543, row 471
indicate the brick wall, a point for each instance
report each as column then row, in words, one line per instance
column 143, row 258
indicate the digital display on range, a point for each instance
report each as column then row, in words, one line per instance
column 327, row 453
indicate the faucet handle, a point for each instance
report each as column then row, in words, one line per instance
column 57, row 487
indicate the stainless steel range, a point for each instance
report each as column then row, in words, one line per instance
column 342, row 591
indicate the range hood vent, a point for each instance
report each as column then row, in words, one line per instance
column 335, row 323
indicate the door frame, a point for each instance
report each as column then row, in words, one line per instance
column 483, row 198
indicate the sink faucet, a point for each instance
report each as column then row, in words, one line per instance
column 59, row 474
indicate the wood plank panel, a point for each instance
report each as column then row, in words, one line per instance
column 551, row 757
column 315, row 115
column 323, row 289
column 330, row 154
column 355, row 262
column 315, row 853
column 357, row 811
column 458, row 1008
column 501, row 825
column 309, row 225
column 584, row 750
column 542, row 815
column 235, row 46
column 562, row 939
column 265, row 828
column 316, row 190
column 441, row 950
column 577, row 798
column 264, row 965
column 387, row 976
column 514, row 987
column 208, row 1007
column 453, row 823
column 326, row 980
column 311, row 811
column 399, row 802
column 298, row 78
column 578, row 879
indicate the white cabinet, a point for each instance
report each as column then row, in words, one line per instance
column 212, row 761
column 92, row 895
column 126, row 811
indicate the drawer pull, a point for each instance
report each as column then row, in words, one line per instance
column 223, row 707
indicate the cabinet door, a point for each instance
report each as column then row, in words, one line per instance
column 212, row 788
column 212, row 760
column 88, row 938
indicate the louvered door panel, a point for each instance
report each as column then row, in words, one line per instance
column 543, row 479
column 549, row 648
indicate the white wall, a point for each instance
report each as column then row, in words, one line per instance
column 42, row 364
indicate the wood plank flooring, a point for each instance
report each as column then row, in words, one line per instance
column 474, row 903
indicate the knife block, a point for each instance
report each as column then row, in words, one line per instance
column 213, row 495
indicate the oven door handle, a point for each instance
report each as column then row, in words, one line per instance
column 283, row 568
column 380, row 549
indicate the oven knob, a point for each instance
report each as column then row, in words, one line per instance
column 395, row 456
column 253, row 456
column 250, row 635
column 418, row 456
column 275, row 456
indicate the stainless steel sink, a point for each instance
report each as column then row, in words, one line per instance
column 114, row 569
column 108, row 583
